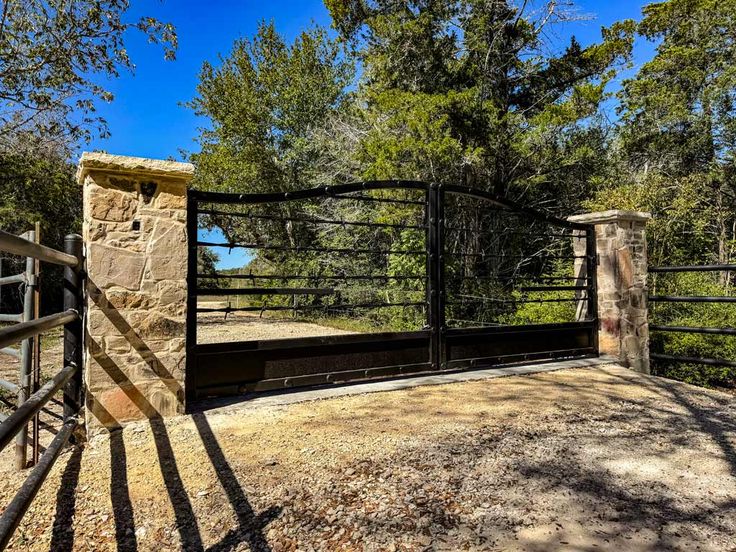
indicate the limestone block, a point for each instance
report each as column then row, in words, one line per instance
column 114, row 266
column 170, row 196
column 172, row 292
column 156, row 324
column 112, row 205
column 622, row 281
column 167, row 250
column 119, row 298
column 117, row 344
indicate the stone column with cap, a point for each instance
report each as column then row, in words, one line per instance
column 622, row 284
column 134, row 229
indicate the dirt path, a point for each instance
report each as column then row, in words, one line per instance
column 242, row 326
column 52, row 357
column 583, row 459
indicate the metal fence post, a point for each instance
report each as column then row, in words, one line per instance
column 26, row 358
column 433, row 288
column 591, row 271
column 73, row 337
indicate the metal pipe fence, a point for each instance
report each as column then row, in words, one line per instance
column 69, row 377
column 664, row 357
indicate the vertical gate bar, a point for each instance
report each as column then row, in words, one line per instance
column 432, row 284
column 36, row 375
column 441, row 283
column 26, row 358
column 591, row 257
column 191, row 318
column 73, row 336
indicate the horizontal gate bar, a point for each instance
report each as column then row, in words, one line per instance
column 310, row 220
column 17, row 279
column 9, row 385
column 324, row 191
column 310, row 307
column 539, row 278
column 23, row 414
column 693, row 268
column 693, row 360
column 10, row 351
column 553, row 288
column 513, row 301
column 312, row 341
column 304, row 277
column 265, row 291
column 19, row 332
column 495, row 256
column 692, row 329
column 297, row 249
column 516, row 358
column 691, row 299
column 11, row 317
column 383, row 200
column 335, row 377
column 507, row 233
column 526, row 328
column 16, row 245
column 19, row 505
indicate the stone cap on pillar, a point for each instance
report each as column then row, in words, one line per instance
column 123, row 164
column 614, row 215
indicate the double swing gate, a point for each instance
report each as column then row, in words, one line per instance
column 415, row 277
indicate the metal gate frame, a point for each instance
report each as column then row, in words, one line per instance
column 254, row 366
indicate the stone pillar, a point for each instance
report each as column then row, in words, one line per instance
column 135, row 238
column 622, row 284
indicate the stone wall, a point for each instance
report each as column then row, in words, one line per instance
column 622, row 284
column 136, row 247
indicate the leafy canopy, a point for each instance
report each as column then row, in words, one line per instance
column 50, row 52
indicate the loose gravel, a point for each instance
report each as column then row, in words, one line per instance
column 246, row 326
column 580, row 459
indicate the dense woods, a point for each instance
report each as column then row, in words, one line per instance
column 476, row 92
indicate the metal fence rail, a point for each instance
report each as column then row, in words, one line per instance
column 701, row 330
column 69, row 377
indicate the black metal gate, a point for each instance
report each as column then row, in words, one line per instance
column 459, row 278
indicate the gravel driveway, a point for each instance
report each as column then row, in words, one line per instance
column 580, row 459
column 246, row 326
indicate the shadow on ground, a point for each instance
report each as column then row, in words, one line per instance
column 576, row 460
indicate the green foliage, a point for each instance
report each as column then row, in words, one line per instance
column 265, row 102
column 673, row 156
column 466, row 91
column 39, row 188
column 471, row 91
column 207, row 260
column 50, row 50
column 716, row 315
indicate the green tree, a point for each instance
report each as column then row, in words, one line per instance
column 50, row 53
column 207, row 260
column 674, row 157
column 266, row 103
column 38, row 186
column 467, row 91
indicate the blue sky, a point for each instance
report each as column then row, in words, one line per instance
column 147, row 119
